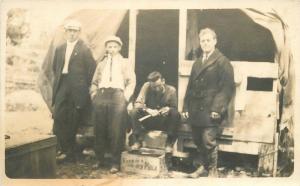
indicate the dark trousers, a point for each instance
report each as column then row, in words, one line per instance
column 110, row 120
column 205, row 138
column 168, row 123
column 66, row 118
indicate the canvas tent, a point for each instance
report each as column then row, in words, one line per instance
column 98, row 24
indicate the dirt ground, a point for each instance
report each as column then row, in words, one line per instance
column 21, row 125
column 229, row 166
column 82, row 169
column 36, row 120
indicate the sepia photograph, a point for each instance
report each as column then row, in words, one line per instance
column 113, row 93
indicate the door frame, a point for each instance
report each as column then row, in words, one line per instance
column 181, row 46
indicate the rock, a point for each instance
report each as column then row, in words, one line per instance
column 243, row 174
column 89, row 152
column 230, row 174
column 238, row 169
column 221, row 168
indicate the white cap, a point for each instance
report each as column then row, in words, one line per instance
column 114, row 39
column 72, row 25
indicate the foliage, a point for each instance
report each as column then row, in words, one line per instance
column 17, row 27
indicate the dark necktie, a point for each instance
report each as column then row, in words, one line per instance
column 110, row 67
column 110, row 77
column 204, row 59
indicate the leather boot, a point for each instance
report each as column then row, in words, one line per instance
column 198, row 172
column 212, row 163
column 213, row 172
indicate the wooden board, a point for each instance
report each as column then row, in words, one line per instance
column 267, row 158
column 239, row 147
column 257, row 121
column 224, row 145
column 261, row 70
column 182, row 84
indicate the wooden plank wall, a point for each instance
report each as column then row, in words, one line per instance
column 256, row 119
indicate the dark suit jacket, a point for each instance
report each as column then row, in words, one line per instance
column 150, row 99
column 210, row 88
column 81, row 69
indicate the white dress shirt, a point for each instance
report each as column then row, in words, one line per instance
column 206, row 56
column 112, row 74
column 69, row 50
column 123, row 76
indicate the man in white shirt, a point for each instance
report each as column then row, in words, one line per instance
column 112, row 86
column 73, row 69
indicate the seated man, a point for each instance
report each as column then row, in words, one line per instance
column 157, row 101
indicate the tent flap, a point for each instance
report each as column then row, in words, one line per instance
column 96, row 26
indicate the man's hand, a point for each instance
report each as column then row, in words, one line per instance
column 129, row 107
column 164, row 111
column 127, row 96
column 185, row 115
column 93, row 95
column 152, row 112
column 215, row 115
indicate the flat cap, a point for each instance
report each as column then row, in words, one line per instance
column 72, row 25
column 114, row 39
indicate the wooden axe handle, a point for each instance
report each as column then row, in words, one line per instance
column 145, row 117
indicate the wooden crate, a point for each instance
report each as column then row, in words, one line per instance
column 155, row 139
column 34, row 158
column 146, row 162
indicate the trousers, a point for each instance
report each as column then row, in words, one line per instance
column 67, row 118
column 205, row 138
column 168, row 123
column 110, row 117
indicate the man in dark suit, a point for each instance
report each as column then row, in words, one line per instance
column 158, row 100
column 210, row 88
column 73, row 68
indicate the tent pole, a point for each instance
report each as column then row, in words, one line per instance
column 181, row 57
column 132, row 36
column 182, row 34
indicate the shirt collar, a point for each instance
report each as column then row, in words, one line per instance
column 117, row 57
column 207, row 55
column 72, row 43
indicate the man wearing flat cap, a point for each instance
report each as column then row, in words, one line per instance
column 112, row 86
column 73, row 68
